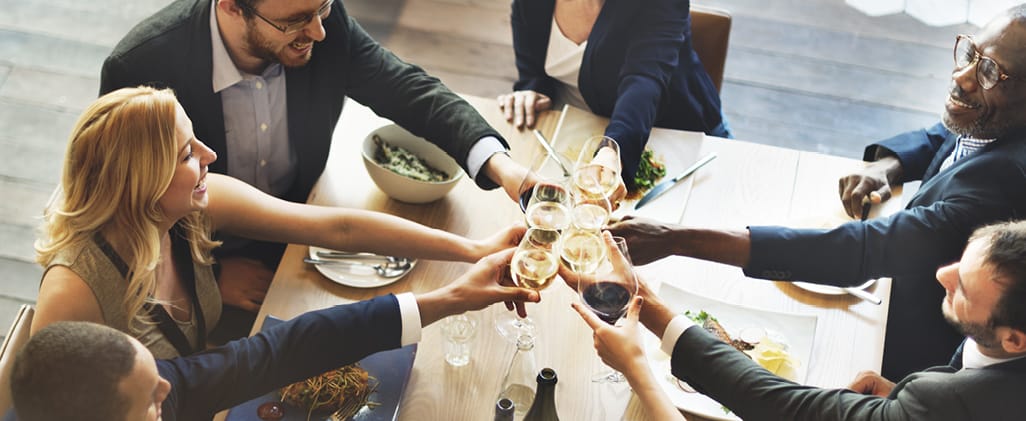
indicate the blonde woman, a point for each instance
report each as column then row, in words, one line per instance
column 127, row 239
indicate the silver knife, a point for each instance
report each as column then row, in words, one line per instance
column 551, row 152
column 664, row 186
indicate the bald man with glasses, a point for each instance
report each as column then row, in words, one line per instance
column 973, row 172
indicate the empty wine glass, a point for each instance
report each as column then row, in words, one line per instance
column 534, row 266
column 597, row 170
column 608, row 290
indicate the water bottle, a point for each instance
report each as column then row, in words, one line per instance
column 519, row 383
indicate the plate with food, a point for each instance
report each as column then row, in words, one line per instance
column 360, row 270
column 780, row 342
column 369, row 390
column 830, row 289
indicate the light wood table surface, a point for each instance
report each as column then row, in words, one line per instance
column 747, row 184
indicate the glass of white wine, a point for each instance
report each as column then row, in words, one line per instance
column 597, row 170
column 534, row 266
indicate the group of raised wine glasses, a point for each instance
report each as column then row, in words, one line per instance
column 565, row 209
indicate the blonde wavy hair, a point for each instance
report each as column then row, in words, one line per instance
column 120, row 160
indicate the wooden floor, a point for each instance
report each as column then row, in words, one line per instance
column 808, row 74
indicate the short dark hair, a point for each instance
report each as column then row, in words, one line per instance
column 247, row 7
column 71, row 371
column 1006, row 254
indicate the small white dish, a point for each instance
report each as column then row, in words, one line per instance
column 354, row 276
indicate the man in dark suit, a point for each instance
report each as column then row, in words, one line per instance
column 967, row 183
column 985, row 380
column 264, row 82
column 84, row 371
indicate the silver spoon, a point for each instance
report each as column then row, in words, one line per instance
column 385, row 271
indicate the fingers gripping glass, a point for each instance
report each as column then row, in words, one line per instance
column 988, row 73
column 291, row 26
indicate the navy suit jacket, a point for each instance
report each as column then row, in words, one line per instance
column 172, row 49
column 938, row 394
column 910, row 245
column 639, row 69
column 206, row 383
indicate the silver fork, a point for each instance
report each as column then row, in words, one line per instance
column 386, row 270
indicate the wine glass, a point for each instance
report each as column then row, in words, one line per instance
column 597, row 170
column 548, row 206
column 608, row 290
column 534, row 266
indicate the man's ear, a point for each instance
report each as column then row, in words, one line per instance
column 229, row 7
column 1013, row 340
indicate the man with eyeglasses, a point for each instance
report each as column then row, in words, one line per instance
column 973, row 172
column 264, row 82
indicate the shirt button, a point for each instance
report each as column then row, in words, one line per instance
column 263, row 127
column 259, row 85
column 263, row 162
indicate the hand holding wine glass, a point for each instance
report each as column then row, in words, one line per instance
column 534, row 266
column 609, row 290
column 597, row 170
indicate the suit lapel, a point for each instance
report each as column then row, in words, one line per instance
column 199, row 97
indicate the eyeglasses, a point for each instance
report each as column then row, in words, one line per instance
column 988, row 73
column 295, row 25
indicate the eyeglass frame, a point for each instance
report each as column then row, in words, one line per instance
column 977, row 59
column 323, row 11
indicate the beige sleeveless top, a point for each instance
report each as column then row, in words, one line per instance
column 103, row 276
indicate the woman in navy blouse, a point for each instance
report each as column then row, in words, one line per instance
column 629, row 60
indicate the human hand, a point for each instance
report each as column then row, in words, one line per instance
column 522, row 107
column 872, row 184
column 871, row 383
column 501, row 240
column 244, row 282
column 508, row 174
column 646, row 238
column 486, row 282
column 618, row 346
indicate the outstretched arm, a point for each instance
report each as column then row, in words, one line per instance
column 240, row 209
column 619, row 347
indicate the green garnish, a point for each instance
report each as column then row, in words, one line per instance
column 698, row 318
column 649, row 172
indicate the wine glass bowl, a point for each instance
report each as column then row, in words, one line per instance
column 609, row 289
column 597, row 170
column 548, row 206
column 535, row 263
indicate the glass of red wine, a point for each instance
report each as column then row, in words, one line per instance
column 608, row 290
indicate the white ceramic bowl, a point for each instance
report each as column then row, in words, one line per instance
column 402, row 188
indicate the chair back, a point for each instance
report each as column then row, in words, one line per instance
column 710, row 35
column 15, row 339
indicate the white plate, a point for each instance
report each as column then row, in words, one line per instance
column 798, row 330
column 829, row 289
column 355, row 276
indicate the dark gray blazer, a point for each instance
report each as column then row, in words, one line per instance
column 172, row 49
column 993, row 393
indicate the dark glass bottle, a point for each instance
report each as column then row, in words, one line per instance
column 544, row 406
column 504, row 410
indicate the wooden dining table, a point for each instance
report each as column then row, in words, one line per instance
column 748, row 184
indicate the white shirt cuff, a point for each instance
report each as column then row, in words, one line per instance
column 481, row 152
column 674, row 329
column 410, row 313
